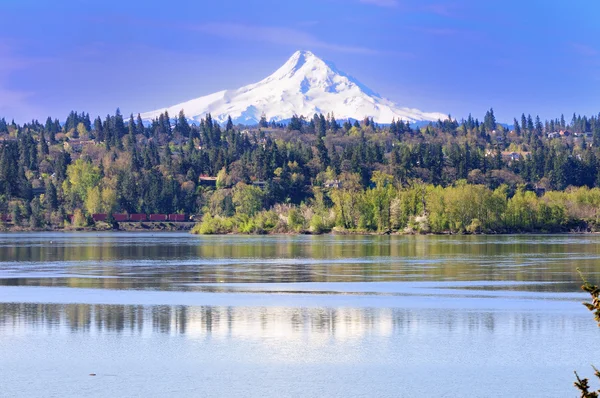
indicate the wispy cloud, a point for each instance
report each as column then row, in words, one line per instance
column 448, row 9
column 436, row 31
column 381, row 3
column 584, row 49
column 13, row 102
column 275, row 35
column 445, row 9
column 308, row 23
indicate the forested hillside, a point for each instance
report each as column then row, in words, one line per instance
column 312, row 174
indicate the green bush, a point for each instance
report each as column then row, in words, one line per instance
column 295, row 220
column 317, row 225
column 213, row 225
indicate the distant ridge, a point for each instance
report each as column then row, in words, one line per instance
column 304, row 85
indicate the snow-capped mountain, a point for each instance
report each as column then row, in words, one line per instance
column 304, row 85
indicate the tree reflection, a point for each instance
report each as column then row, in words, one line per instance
column 165, row 263
column 260, row 322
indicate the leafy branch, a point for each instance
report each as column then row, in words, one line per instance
column 583, row 385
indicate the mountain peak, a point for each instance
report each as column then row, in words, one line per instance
column 304, row 85
column 297, row 62
column 303, row 53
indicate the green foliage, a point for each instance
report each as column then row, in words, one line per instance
column 295, row 220
column 213, row 225
column 583, row 384
column 247, row 199
column 261, row 223
column 359, row 177
column 79, row 219
column 82, row 176
column 317, row 224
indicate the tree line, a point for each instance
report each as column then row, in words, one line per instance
column 350, row 174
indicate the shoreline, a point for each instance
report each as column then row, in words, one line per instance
column 123, row 227
column 169, row 227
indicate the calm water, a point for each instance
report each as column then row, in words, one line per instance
column 174, row 314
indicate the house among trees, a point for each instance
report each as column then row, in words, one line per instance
column 207, row 181
column 512, row 156
column 333, row 184
column 259, row 184
column 587, row 135
column 553, row 135
column 76, row 145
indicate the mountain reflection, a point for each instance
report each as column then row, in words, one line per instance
column 264, row 322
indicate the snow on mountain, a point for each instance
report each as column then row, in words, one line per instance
column 304, row 85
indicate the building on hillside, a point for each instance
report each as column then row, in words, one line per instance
column 260, row 184
column 207, row 181
column 514, row 156
column 333, row 184
column 553, row 135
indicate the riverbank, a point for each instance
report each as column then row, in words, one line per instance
column 105, row 227
column 197, row 229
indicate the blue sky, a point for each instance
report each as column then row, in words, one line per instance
column 459, row 56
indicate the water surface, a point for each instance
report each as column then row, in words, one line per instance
column 158, row 313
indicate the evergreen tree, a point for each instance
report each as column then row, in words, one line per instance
column 490, row 120
column 119, row 125
column 517, row 128
column 139, row 125
column 263, row 121
column 183, row 126
column 131, row 132
column 229, row 126
column 43, row 145
column 51, row 197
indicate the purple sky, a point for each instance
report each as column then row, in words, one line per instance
column 538, row 57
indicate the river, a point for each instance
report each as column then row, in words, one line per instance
column 157, row 314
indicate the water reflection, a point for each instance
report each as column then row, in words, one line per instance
column 262, row 322
column 171, row 261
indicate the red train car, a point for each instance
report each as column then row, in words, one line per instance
column 120, row 217
column 178, row 217
column 158, row 217
column 99, row 217
column 138, row 217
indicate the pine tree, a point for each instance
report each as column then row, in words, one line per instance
column 523, row 122
column 517, row 128
column 263, row 121
column 182, row 124
column 43, row 145
column 131, row 132
column 139, row 126
column 538, row 126
column 530, row 126
column 98, row 130
column 490, row 120
column 51, row 197
column 3, row 126
column 334, row 124
column 119, row 125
